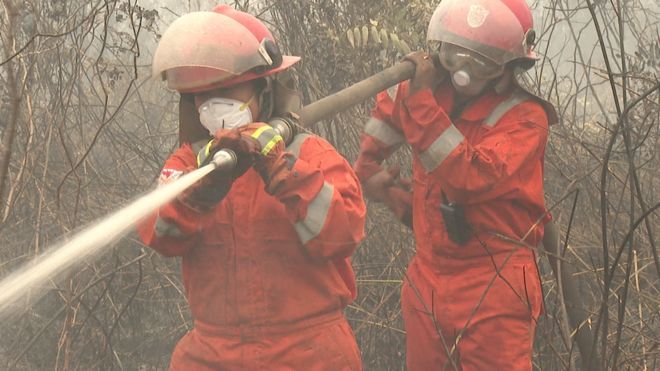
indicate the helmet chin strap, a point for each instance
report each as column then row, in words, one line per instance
column 279, row 96
column 266, row 100
column 503, row 83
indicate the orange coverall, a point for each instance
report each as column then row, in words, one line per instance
column 267, row 277
column 471, row 306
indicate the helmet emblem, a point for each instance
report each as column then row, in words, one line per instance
column 477, row 15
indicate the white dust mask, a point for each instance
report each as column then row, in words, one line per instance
column 224, row 113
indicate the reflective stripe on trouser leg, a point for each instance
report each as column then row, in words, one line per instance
column 383, row 132
column 317, row 212
column 441, row 148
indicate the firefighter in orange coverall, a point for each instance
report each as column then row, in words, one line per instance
column 265, row 248
column 472, row 294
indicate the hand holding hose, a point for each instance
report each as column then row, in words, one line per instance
column 428, row 73
column 387, row 187
column 257, row 144
column 210, row 190
column 267, row 149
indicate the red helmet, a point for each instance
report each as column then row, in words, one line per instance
column 501, row 30
column 208, row 50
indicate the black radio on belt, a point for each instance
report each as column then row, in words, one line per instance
column 456, row 225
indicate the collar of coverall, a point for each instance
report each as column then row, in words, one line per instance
column 475, row 111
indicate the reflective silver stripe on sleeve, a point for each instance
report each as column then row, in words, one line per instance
column 383, row 132
column 504, row 107
column 392, row 90
column 166, row 229
column 296, row 144
column 441, row 148
column 317, row 212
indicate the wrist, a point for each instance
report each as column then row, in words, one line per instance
column 375, row 187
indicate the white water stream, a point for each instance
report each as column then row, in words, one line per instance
column 89, row 241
